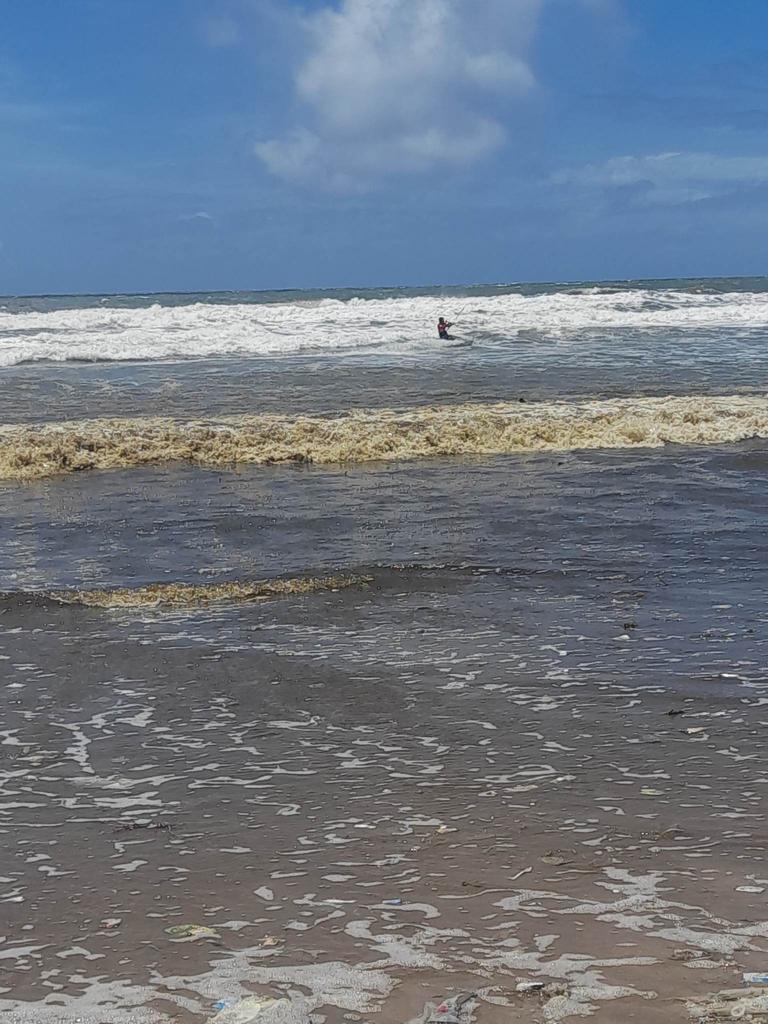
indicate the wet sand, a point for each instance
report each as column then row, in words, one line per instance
column 375, row 800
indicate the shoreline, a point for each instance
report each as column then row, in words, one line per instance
column 400, row 841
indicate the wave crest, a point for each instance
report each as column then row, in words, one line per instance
column 330, row 325
column 33, row 452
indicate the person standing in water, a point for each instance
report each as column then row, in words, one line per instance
column 442, row 328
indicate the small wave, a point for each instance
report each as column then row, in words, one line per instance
column 190, row 595
column 33, row 452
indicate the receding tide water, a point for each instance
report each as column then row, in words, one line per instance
column 356, row 670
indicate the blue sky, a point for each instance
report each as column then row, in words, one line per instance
column 155, row 145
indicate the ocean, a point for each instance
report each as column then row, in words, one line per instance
column 386, row 669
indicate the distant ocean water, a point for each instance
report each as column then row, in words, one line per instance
column 387, row 322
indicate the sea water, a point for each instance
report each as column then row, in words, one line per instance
column 501, row 716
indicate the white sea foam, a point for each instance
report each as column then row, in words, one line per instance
column 405, row 324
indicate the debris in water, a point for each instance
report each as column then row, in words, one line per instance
column 751, row 978
column 529, row 986
column 149, row 826
column 246, row 1010
column 555, row 859
column 686, row 955
column 448, row 1011
column 191, row 931
column 730, row 1005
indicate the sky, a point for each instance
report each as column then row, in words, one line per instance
column 195, row 145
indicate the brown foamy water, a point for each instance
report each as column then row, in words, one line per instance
column 32, row 452
column 180, row 594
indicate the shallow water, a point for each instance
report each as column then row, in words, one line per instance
column 195, row 355
column 456, row 779
column 457, row 773
column 623, row 364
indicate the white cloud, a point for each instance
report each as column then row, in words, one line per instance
column 666, row 170
column 404, row 86
column 199, row 216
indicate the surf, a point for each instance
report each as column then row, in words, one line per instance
column 331, row 326
column 29, row 452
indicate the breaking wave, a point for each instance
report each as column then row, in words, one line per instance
column 331, row 325
column 31, row 452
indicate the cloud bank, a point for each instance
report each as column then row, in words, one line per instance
column 663, row 168
column 671, row 177
column 404, row 86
